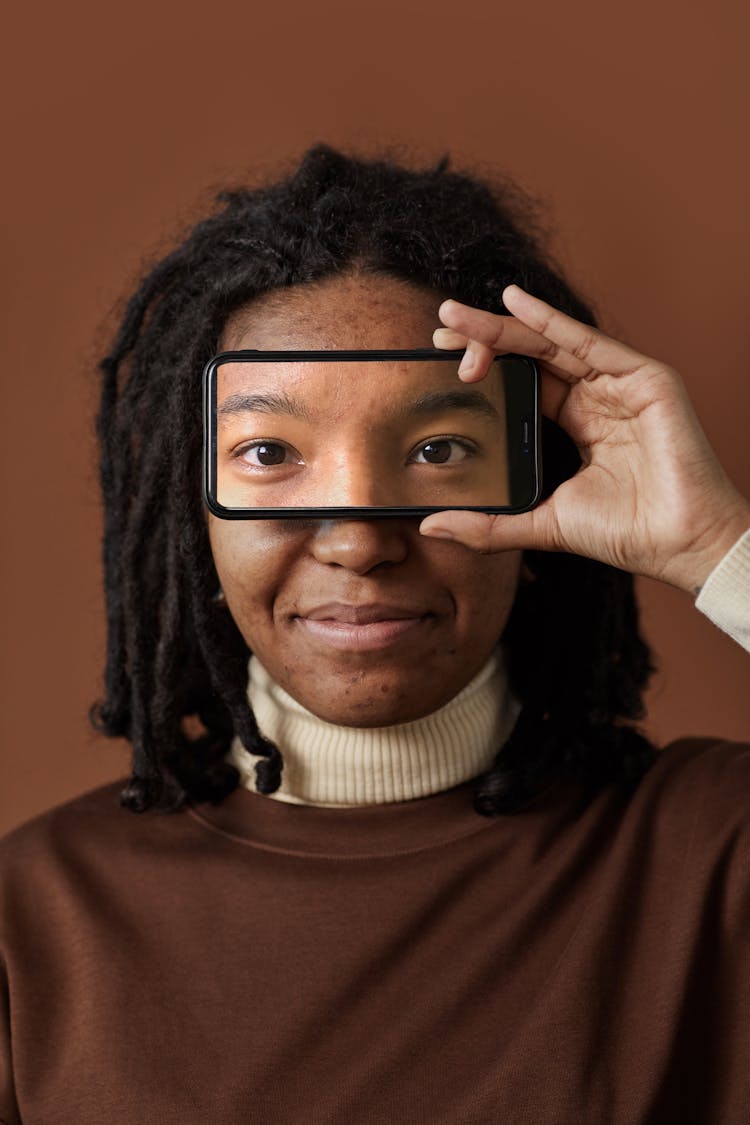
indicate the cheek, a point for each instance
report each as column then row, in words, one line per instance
column 487, row 590
column 249, row 555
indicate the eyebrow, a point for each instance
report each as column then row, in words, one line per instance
column 434, row 402
column 273, row 403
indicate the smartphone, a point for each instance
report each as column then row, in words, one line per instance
column 367, row 434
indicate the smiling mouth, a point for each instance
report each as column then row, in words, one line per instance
column 363, row 628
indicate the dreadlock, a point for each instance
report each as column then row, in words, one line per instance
column 176, row 671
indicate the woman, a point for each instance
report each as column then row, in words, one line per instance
column 402, row 857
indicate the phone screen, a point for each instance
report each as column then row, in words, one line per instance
column 373, row 433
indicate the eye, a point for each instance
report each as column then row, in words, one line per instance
column 443, row 451
column 267, row 454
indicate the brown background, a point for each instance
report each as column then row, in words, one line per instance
column 630, row 125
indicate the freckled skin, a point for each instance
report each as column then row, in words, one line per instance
column 271, row 570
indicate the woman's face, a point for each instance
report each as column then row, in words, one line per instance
column 364, row 622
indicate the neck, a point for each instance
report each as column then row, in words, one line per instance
column 334, row 766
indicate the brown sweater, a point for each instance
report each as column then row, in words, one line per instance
column 410, row 963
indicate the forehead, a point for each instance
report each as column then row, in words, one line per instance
column 348, row 311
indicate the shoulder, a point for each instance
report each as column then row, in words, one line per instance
column 90, row 828
column 712, row 784
column 705, row 774
column 695, row 802
column 692, row 806
column 92, row 804
column 94, row 809
column 86, row 854
column 43, row 857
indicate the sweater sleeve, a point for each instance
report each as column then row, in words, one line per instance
column 725, row 596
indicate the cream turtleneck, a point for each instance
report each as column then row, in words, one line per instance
column 335, row 766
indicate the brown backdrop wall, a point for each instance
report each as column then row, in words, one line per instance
column 629, row 125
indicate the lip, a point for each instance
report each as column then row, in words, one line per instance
column 363, row 614
column 362, row 628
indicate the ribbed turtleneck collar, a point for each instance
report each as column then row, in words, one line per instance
column 337, row 767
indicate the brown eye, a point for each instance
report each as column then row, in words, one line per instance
column 443, row 451
column 269, row 453
column 436, row 452
column 266, row 455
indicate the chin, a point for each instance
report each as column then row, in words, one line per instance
column 381, row 706
column 362, row 721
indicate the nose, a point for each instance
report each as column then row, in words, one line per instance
column 361, row 545
column 354, row 479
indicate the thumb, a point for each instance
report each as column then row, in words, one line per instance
column 488, row 533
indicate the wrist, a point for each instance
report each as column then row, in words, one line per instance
column 690, row 569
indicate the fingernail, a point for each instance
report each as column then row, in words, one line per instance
column 466, row 365
column 437, row 533
column 518, row 288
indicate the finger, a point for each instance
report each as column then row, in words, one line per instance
column 477, row 357
column 449, row 339
column 476, row 362
column 554, row 388
column 508, row 334
column 588, row 345
column 553, row 391
column 490, row 533
column 501, row 333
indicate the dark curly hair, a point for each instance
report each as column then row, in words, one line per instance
column 176, row 671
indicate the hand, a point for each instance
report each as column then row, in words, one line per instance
column 650, row 497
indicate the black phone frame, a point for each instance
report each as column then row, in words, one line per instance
column 528, row 452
